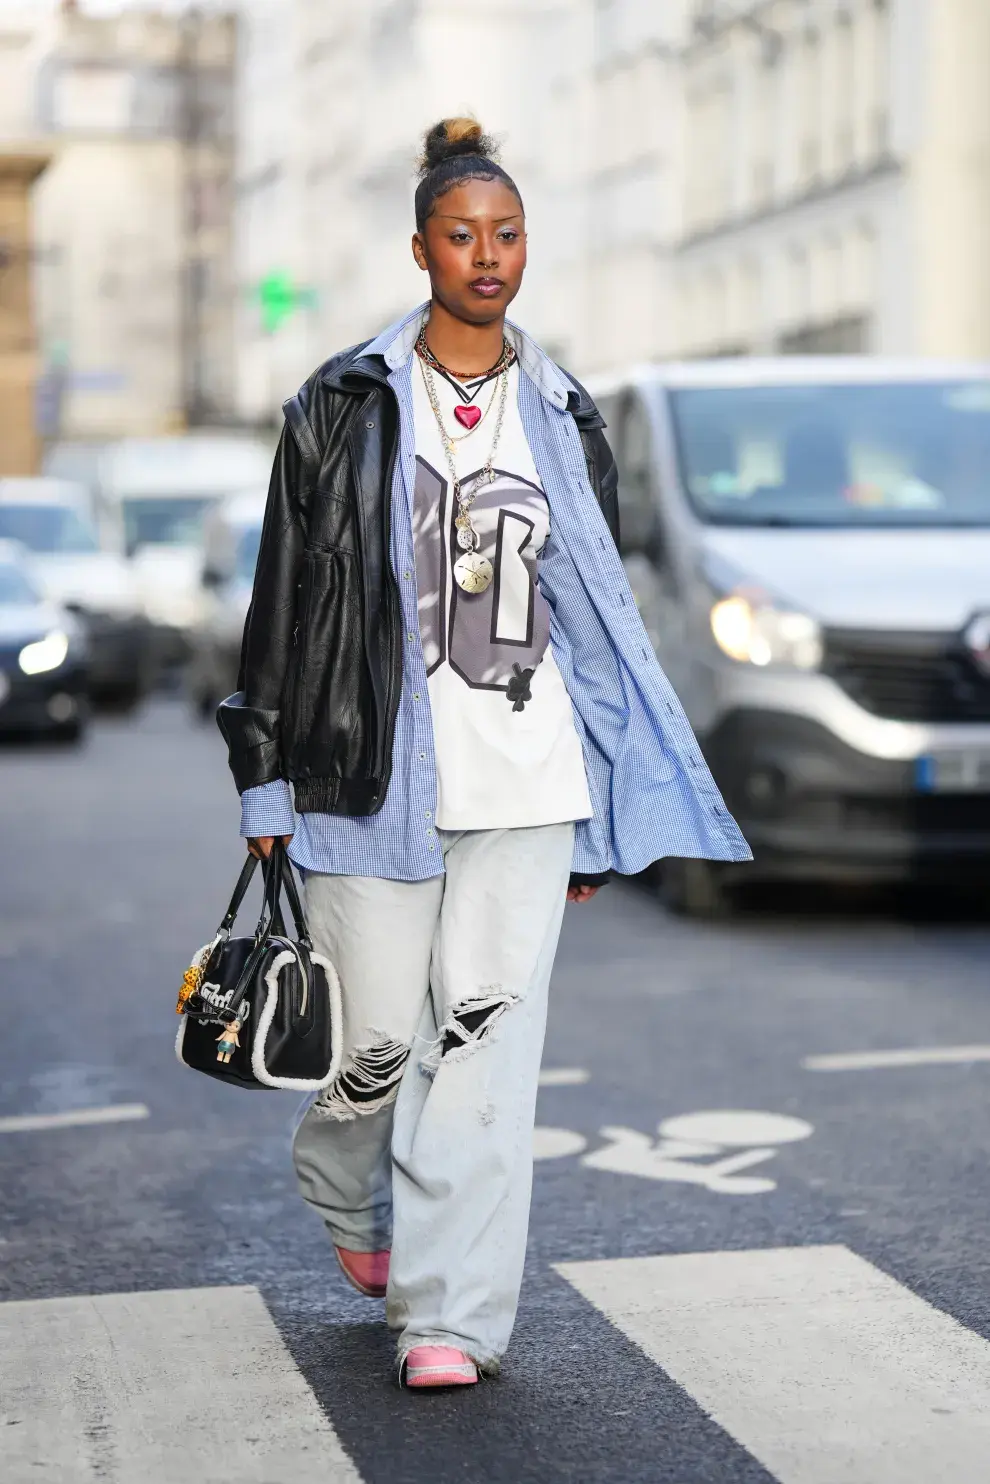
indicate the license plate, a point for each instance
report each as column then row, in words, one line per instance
column 963, row 772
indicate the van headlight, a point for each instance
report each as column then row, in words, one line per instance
column 44, row 654
column 752, row 629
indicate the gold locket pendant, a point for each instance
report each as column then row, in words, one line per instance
column 473, row 573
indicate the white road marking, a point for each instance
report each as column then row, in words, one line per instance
column 158, row 1388
column 824, row 1368
column 921, row 1056
column 555, row 1143
column 563, row 1077
column 29, row 1122
column 693, row 1149
column 735, row 1128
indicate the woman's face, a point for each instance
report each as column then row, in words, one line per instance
column 474, row 249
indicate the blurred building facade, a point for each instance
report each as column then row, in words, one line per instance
column 332, row 104
column 134, row 219
column 701, row 177
column 836, row 178
column 22, row 160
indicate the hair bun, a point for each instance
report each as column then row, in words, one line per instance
column 452, row 137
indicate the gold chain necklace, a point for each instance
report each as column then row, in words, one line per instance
column 472, row 571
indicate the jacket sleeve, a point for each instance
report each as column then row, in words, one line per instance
column 250, row 720
column 604, row 477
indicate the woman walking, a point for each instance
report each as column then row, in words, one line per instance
column 444, row 660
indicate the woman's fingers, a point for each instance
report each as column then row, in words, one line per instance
column 582, row 893
column 260, row 846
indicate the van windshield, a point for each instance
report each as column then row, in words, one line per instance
column 883, row 454
column 15, row 589
column 165, row 522
column 47, row 528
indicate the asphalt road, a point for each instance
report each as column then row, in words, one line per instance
column 792, row 1325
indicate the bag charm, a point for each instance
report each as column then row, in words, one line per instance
column 191, row 980
column 227, row 1041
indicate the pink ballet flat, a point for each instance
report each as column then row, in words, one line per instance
column 439, row 1365
column 365, row 1271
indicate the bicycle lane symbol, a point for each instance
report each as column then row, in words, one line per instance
column 711, row 1149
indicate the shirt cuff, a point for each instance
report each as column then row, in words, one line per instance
column 267, row 810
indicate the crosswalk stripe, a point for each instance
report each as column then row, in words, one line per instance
column 24, row 1123
column 820, row 1365
column 158, row 1388
column 910, row 1056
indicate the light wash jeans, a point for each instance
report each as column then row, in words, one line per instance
column 424, row 1142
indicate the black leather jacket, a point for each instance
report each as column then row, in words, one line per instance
column 321, row 660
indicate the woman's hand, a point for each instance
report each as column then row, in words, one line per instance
column 582, row 893
column 261, row 846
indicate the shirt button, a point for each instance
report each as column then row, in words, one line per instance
column 429, row 832
column 422, row 757
column 416, row 695
column 431, row 847
column 407, row 576
column 410, row 636
column 426, row 814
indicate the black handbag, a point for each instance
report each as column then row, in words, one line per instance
column 264, row 1011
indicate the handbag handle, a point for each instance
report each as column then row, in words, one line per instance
column 243, row 882
column 295, row 905
column 271, row 907
column 278, row 874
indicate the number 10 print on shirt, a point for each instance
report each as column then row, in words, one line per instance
column 490, row 639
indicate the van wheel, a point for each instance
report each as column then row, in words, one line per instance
column 693, row 888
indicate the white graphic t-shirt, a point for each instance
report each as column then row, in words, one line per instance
column 508, row 754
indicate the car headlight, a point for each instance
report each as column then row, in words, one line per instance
column 754, row 630
column 44, row 654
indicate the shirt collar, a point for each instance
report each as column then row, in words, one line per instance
column 395, row 345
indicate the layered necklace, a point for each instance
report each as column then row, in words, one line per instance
column 472, row 571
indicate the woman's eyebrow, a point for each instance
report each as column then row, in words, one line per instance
column 450, row 217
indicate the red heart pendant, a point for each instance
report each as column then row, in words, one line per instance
column 468, row 416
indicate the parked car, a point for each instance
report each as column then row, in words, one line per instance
column 809, row 544
column 231, row 537
column 43, row 657
column 159, row 492
column 53, row 519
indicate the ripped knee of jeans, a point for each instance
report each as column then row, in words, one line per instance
column 468, row 1027
column 367, row 1082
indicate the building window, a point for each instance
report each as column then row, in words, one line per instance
column 810, row 106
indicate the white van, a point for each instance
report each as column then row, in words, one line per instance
column 161, row 490
column 809, row 544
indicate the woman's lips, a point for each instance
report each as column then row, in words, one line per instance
column 487, row 287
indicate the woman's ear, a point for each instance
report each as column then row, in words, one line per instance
column 419, row 250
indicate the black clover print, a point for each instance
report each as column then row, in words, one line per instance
column 518, row 690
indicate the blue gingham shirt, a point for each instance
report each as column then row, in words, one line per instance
column 651, row 792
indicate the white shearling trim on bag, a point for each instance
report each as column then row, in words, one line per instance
column 261, row 1072
column 198, row 959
